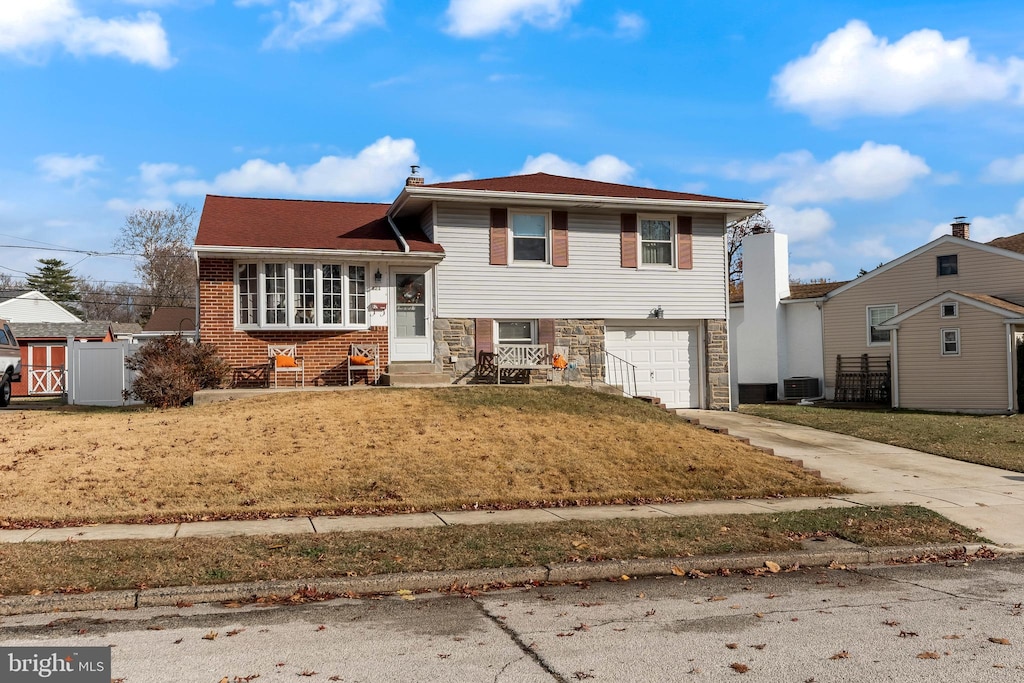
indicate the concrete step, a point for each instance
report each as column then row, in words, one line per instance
column 412, row 368
column 418, row 379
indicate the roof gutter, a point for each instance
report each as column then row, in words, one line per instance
column 398, row 234
column 264, row 253
column 580, row 200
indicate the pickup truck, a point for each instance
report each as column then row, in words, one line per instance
column 10, row 362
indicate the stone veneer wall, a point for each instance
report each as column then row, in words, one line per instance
column 716, row 341
column 582, row 341
column 324, row 352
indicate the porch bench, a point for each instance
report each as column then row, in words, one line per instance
column 521, row 357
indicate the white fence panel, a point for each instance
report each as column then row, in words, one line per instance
column 97, row 375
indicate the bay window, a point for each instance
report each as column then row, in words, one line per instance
column 295, row 294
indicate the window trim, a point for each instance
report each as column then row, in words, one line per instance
column 942, row 310
column 533, row 330
column 938, row 265
column 289, row 294
column 673, row 241
column 546, row 213
column 895, row 311
column 942, row 341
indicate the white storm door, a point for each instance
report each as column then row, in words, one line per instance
column 411, row 329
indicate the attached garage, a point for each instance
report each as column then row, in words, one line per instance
column 665, row 354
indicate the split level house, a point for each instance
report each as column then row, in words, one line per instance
column 625, row 285
column 938, row 328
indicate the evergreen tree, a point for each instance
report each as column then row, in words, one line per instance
column 54, row 278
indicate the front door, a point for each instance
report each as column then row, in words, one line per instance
column 411, row 328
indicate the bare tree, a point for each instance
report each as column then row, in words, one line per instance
column 8, row 281
column 162, row 241
column 121, row 302
column 734, row 234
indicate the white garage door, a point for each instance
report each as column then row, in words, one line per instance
column 665, row 358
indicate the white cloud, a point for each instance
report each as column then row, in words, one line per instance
column 28, row 29
column 853, row 71
column 1005, row 170
column 987, row 228
column 475, row 18
column 874, row 248
column 377, row 170
column 630, row 25
column 604, row 167
column 872, row 172
column 800, row 224
column 315, row 21
column 812, row 271
column 57, row 167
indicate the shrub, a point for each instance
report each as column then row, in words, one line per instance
column 170, row 369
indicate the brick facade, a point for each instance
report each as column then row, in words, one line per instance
column 324, row 352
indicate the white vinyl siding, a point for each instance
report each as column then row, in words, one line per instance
column 592, row 286
column 27, row 308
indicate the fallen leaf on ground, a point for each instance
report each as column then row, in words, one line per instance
column 999, row 641
column 929, row 655
column 677, row 571
column 952, row 637
column 210, row 636
column 773, row 567
column 842, row 654
column 739, row 668
column 732, row 646
column 716, row 598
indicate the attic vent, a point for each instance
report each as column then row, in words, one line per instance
column 948, row 310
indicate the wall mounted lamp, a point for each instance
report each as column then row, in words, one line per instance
column 658, row 312
column 377, row 277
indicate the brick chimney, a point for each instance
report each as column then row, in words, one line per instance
column 961, row 228
column 415, row 178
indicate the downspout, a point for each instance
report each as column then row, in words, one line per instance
column 195, row 257
column 895, row 379
column 398, row 234
column 1009, row 364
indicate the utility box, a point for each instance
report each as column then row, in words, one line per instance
column 758, row 393
column 801, row 387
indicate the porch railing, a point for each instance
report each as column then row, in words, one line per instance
column 521, row 357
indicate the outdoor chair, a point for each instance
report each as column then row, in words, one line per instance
column 283, row 359
column 364, row 358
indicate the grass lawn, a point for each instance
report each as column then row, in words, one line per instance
column 105, row 565
column 987, row 440
column 371, row 451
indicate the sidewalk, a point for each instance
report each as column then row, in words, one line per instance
column 987, row 499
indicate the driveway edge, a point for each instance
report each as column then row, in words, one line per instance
column 470, row 578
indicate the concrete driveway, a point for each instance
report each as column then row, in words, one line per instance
column 987, row 499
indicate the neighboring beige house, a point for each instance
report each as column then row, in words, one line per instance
column 936, row 329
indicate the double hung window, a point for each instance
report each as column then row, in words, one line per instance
column 876, row 316
column 529, row 237
column 656, row 241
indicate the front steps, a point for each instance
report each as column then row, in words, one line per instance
column 414, row 374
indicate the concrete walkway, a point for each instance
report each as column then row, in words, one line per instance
column 983, row 498
column 987, row 499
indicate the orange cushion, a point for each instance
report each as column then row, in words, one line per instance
column 360, row 360
column 283, row 361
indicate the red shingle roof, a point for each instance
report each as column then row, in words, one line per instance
column 303, row 224
column 811, row 291
column 172, row 319
column 545, row 183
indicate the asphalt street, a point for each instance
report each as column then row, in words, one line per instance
column 902, row 623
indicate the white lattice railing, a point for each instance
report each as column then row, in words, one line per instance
column 47, row 380
column 520, row 357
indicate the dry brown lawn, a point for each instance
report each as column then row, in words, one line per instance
column 371, row 451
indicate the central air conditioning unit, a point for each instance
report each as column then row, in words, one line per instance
column 801, row 387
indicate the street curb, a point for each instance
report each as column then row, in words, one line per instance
column 568, row 572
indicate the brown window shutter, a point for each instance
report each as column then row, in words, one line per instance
column 560, row 238
column 627, row 222
column 684, row 242
column 484, row 336
column 499, row 237
column 546, row 333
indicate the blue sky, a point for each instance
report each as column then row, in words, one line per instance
column 867, row 126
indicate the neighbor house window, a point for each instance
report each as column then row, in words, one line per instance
column 248, row 294
column 656, row 241
column 946, row 265
column 876, row 316
column 949, row 310
column 529, row 237
column 950, row 341
column 516, row 332
column 300, row 295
